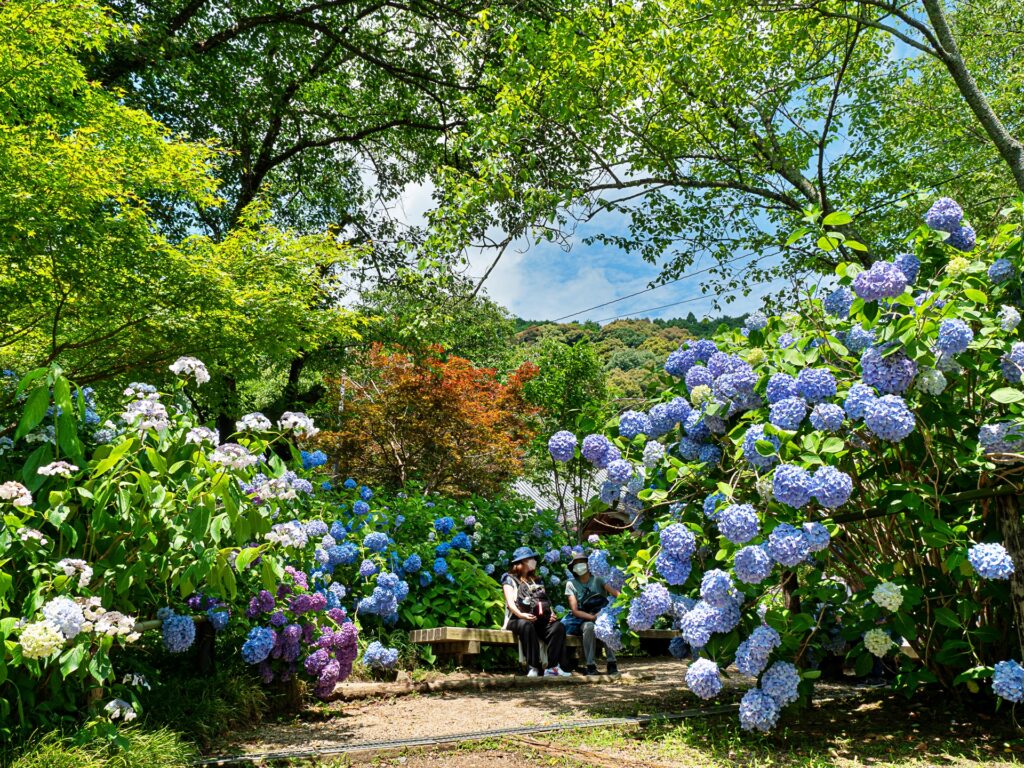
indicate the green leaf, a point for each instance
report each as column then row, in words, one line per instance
column 1007, row 395
column 837, row 219
column 975, row 295
column 35, row 410
column 71, row 659
column 832, row 445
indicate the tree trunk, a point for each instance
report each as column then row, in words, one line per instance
column 1013, row 539
column 790, row 584
column 1009, row 148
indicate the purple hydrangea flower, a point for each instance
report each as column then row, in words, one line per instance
column 792, row 485
column 945, row 215
column 889, row 418
column 891, row 373
column 562, row 446
column 595, row 449
column 883, row 280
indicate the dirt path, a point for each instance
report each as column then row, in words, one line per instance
column 656, row 686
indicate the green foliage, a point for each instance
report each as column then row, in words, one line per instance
column 136, row 748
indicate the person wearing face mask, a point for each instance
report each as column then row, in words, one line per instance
column 528, row 614
column 588, row 594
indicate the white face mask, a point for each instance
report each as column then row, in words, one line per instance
column 580, row 569
column 531, row 565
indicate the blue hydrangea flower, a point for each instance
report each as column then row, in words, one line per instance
column 633, row 423
column 367, row 568
column 991, row 561
column 1002, row 437
column 739, row 524
column 425, row 578
column 679, row 409
column 780, row 681
column 858, row 339
column 711, row 503
column 379, row 656
column 562, row 446
column 756, row 321
column 750, row 452
column 595, row 449
column 891, row 373
column 753, row 653
column 376, row 542
column 312, row 460
column 440, row 566
column 343, row 554
column 785, row 341
column 788, row 413
column 889, row 418
column 883, row 280
column 361, row 508
column 709, row 454
column 787, row 545
column 444, row 525
column 963, row 239
column 619, row 471
column 678, row 541
column 945, row 215
column 678, row 648
column 609, row 492
column 698, row 624
column 792, row 485
column 1000, row 271
column 832, row 487
column 954, row 336
column 827, row 417
column 716, row 588
column 909, row 265
column 606, row 627
column 178, row 633
column 680, row 361
column 662, row 419
column 218, row 619
column 857, row 400
column 258, row 645
column 758, row 711
column 699, row 375
column 817, row 536
column 673, row 570
column 815, row 384
column 838, row 302
column 645, row 608
column 350, row 484
column 654, row 452
column 1009, row 317
column 780, row 387
column 752, row 565
column 704, row 679
column 462, row 541
column 597, row 563
column 1012, row 363
column 696, row 428
column 687, row 448
column 1008, row 681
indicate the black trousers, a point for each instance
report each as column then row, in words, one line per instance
column 530, row 633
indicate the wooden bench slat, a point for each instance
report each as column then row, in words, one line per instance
column 504, row 636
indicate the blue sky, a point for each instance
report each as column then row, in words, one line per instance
column 544, row 282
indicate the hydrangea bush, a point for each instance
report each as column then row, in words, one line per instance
column 848, row 476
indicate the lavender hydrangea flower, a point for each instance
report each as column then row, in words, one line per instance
column 704, row 679
column 680, row 361
column 788, row 413
column 780, row 386
column 816, row 535
column 752, row 565
column 716, row 588
column 792, row 485
column 954, row 336
column 758, row 711
column 619, row 471
column 697, row 376
column 883, row 280
column 991, row 561
column 595, row 449
column 815, row 385
column 858, row 339
column 753, row 653
column 738, row 523
column 857, row 400
column 945, row 215
column 367, row 568
column 780, row 681
column 562, row 446
column 674, row 571
column 633, row 423
column 891, row 374
column 832, row 487
column 652, row 602
column 750, row 452
column 827, row 417
column 909, row 265
column 1008, row 681
column 889, row 418
column 787, row 545
column 711, row 504
column 963, row 239
column 838, row 302
column 1000, row 271
column 1012, row 363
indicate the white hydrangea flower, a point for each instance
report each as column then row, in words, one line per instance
column 888, row 595
column 58, row 468
column 253, row 422
column 146, row 414
column 119, row 708
column 71, row 566
column 141, row 391
column 66, row 615
column 139, row 681
column 16, row 493
column 1009, row 317
column 931, row 382
column 878, row 642
column 190, row 366
column 31, row 534
column 234, row 456
column 47, row 434
column 200, row 435
column 297, row 422
column 40, row 639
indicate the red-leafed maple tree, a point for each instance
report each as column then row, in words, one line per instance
column 441, row 422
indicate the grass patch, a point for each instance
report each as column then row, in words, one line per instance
column 145, row 749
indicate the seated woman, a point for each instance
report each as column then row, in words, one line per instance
column 528, row 614
column 587, row 595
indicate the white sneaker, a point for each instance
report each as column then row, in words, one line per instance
column 534, row 672
column 556, row 672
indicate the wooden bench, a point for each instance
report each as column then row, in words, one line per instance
column 465, row 641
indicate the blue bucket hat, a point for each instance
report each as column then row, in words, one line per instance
column 522, row 553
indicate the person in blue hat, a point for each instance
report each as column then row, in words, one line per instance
column 528, row 614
